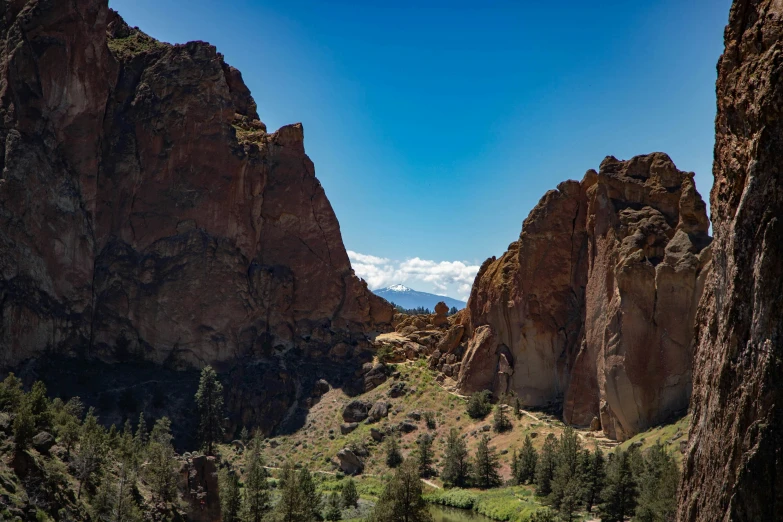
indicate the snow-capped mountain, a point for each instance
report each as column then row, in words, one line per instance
column 409, row 298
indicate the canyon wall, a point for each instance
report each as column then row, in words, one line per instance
column 733, row 470
column 147, row 216
column 592, row 309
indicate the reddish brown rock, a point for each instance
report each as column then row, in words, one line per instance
column 733, row 470
column 146, row 212
column 593, row 307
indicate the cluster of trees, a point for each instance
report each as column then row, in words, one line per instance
column 571, row 478
column 420, row 310
column 106, row 464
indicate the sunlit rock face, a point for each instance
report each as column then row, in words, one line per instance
column 147, row 214
column 734, row 466
column 593, row 308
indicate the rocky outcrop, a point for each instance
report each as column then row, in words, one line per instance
column 592, row 309
column 146, row 212
column 733, row 470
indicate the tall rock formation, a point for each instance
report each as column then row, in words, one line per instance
column 145, row 211
column 592, row 309
column 734, row 465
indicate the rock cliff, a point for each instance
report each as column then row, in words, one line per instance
column 145, row 211
column 592, row 309
column 733, row 470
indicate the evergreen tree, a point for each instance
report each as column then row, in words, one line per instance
column 92, row 451
column 350, row 497
column 141, row 433
column 230, row 498
column 501, row 422
column 289, row 507
column 11, row 394
column 486, row 465
column 567, row 477
column 256, row 501
column 393, row 455
column 518, row 408
column 594, row 479
column 209, row 398
column 159, row 472
column 545, row 467
column 526, row 467
column 619, row 494
column 311, row 497
column 68, row 434
column 425, row 455
column 114, row 501
column 479, row 404
column 456, row 468
column 24, row 426
column 657, row 486
column 39, row 406
column 401, row 499
column 333, row 511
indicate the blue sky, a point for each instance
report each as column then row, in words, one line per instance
column 436, row 126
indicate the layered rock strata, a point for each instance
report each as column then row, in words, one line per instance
column 592, row 309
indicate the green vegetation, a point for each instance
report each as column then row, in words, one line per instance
column 480, row 404
column 401, row 499
column 209, row 399
column 133, row 45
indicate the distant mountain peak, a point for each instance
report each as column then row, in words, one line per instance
column 409, row 298
column 398, row 288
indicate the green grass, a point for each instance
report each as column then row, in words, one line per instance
column 513, row 504
column 669, row 435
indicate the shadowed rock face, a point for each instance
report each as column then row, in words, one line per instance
column 145, row 212
column 592, row 309
column 734, row 465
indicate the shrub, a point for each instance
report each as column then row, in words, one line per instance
column 479, row 404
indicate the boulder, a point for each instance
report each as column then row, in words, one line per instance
column 350, row 463
column 398, row 389
column 407, row 427
column 415, row 415
column 348, row 427
column 451, row 340
column 356, row 411
column 378, row 411
column 377, row 434
column 43, row 442
column 320, row 388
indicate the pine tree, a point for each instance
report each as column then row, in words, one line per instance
column 401, row 499
column 479, row 404
column 393, row 455
column 114, row 501
column 594, row 479
column 39, row 406
column 456, row 468
column 545, row 467
column 24, row 426
column 209, row 398
column 567, row 475
column 140, row 438
column 333, row 511
column 256, row 501
column 311, row 497
column 486, row 465
column 350, row 497
column 92, row 451
column 501, row 422
column 11, row 394
column 518, row 408
column 289, row 507
column 230, row 498
column 159, row 472
column 528, row 457
column 425, row 455
column 657, row 486
column 620, row 492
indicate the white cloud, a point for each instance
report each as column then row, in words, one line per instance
column 441, row 277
